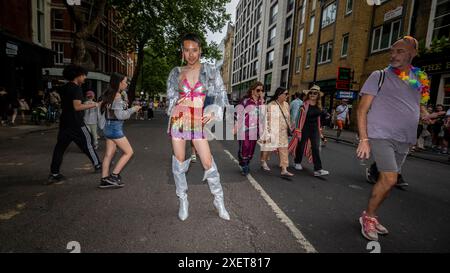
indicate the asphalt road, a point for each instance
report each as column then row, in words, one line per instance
column 284, row 215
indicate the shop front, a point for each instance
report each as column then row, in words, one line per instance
column 437, row 66
column 21, row 66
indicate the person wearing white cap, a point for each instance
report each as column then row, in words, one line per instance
column 91, row 116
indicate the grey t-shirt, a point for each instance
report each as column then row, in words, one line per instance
column 395, row 110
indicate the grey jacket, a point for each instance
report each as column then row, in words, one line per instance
column 210, row 78
column 119, row 110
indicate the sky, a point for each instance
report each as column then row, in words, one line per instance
column 218, row 36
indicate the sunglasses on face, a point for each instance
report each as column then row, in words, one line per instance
column 314, row 93
column 259, row 90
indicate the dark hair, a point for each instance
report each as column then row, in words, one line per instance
column 297, row 95
column 191, row 37
column 253, row 87
column 72, row 71
column 110, row 94
column 278, row 92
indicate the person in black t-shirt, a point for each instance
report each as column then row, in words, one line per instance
column 71, row 126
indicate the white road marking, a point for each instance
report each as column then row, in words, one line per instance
column 278, row 212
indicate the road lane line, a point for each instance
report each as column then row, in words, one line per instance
column 278, row 212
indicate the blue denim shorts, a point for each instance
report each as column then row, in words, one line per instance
column 113, row 129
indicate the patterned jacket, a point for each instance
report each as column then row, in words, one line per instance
column 210, row 78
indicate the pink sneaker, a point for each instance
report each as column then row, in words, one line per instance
column 367, row 226
column 368, row 229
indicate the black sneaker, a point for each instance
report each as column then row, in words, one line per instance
column 245, row 170
column 98, row 168
column 55, row 178
column 369, row 177
column 400, row 182
column 118, row 179
column 108, row 183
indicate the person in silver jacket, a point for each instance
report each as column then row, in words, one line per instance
column 190, row 89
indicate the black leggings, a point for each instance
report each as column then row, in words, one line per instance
column 311, row 133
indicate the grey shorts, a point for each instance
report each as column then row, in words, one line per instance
column 389, row 154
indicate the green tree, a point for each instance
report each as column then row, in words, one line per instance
column 152, row 78
column 160, row 24
column 86, row 18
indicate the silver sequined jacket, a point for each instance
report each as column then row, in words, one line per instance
column 210, row 78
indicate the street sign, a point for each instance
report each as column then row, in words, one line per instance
column 345, row 95
column 344, row 78
column 11, row 49
column 344, row 74
column 343, row 85
column 393, row 13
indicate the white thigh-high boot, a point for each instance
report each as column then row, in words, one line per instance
column 213, row 178
column 179, row 170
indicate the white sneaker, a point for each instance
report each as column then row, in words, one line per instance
column 321, row 173
column 298, row 167
column 193, row 158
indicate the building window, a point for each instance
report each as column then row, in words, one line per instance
column 273, row 14
column 286, row 51
column 311, row 25
column 325, row 52
column 40, row 21
column 349, row 7
column 284, row 77
column 446, row 98
column 259, row 12
column 441, row 22
column 269, row 60
column 297, row 64
column 290, row 5
column 288, row 27
column 267, row 82
column 257, row 32
column 344, row 49
column 255, row 68
column 257, row 50
column 101, row 61
column 308, row 58
column 300, row 36
column 59, row 49
column 58, row 19
column 271, row 38
column 384, row 36
column 329, row 15
column 303, row 12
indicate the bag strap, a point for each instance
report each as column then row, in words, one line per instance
column 381, row 79
column 283, row 114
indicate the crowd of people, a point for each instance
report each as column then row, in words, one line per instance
column 391, row 106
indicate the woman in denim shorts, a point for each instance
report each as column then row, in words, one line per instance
column 116, row 110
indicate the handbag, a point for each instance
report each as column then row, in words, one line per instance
column 288, row 127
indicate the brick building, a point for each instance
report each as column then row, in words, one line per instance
column 102, row 46
column 357, row 36
column 226, row 67
column 25, row 46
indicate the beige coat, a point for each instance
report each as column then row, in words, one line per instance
column 275, row 134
